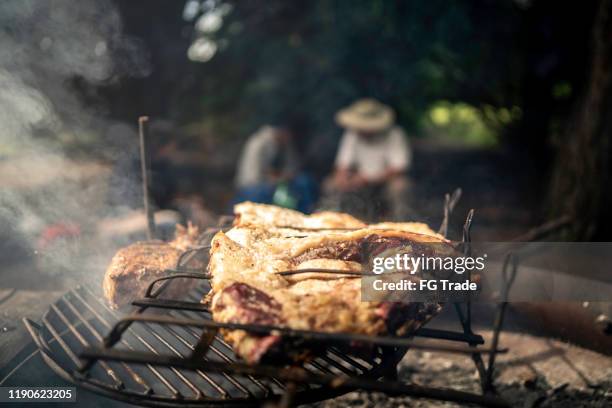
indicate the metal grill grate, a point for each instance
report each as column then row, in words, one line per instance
column 81, row 318
column 172, row 355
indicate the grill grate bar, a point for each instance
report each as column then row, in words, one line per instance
column 231, row 379
column 469, row 338
column 61, row 341
column 197, row 391
column 154, row 370
column 176, row 393
column 203, row 375
column 138, row 379
column 183, row 307
column 194, row 307
column 170, row 304
column 299, row 375
column 111, row 373
column 349, row 359
column 227, row 359
column 210, row 381
column 320, row 367
column 337, row 365
column 185, row 380
column 310, row 335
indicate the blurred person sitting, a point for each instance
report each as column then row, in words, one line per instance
column 269, row 170
column 372, row 161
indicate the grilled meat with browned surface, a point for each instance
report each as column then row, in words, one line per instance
column 134, row 267
column 247, row 289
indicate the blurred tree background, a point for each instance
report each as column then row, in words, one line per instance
column 487, row 73
column 305, row 60
column 262, row 61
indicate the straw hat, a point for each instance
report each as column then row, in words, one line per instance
column 367, row 115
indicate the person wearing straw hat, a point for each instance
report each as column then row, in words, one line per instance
column 373, row 158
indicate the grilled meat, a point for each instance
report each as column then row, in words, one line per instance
column 134, row 267
column 290, row 222
column 248, row 213
column 246, row 288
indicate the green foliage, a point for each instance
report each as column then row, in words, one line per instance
column 562, row 90
column 278, row 59
column 466, row 124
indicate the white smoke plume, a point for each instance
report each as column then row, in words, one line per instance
column 44, row 179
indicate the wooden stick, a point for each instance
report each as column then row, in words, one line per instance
column 144, row 166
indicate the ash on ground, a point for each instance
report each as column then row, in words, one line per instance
column 536, row 372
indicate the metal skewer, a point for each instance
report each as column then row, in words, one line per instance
column 144, row 166
column 323, row 270
column 450, row 201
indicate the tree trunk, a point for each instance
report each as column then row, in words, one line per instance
column 580, row 185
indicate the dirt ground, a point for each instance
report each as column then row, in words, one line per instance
column 536, row 372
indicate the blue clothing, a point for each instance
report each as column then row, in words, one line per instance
column 302, row 187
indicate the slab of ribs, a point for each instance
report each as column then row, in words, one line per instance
column 247, row 289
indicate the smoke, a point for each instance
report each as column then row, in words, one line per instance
column 45, row 46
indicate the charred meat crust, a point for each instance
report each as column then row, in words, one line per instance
column 360, row 250
column 134, row 267
column 247, row 291
column 343, row 250
column 248, row 305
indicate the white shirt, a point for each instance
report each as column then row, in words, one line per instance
column 258, row 155
column 372, row 158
